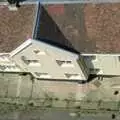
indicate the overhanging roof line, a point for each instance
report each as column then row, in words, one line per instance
column 21, row 47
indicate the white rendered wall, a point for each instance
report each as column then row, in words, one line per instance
column 109, row 64
column 48, row 61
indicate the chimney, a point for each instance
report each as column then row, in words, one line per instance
column 12, row 7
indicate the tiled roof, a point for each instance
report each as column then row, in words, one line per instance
column 15, row 26
column 87, row 28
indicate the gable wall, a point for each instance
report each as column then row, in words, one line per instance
column 48, row 61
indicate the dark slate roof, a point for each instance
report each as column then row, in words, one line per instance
column 86, row 28
column 15, row 26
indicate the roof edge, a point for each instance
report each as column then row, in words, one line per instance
column 21, row 47
column 35, row 19
column 55, row 47
column 98, row 54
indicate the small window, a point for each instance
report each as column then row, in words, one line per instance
column 42, row 75
column 73, row 76
column 64, row 63
column 38, row 52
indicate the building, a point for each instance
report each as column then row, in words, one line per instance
column 48, row 60
column 67, row 41
column 46, row 50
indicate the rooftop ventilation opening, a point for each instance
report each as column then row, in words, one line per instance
column 38, row 52
column 42, row 75
column 63, row 63
column 30, row 62
column 73, row 76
